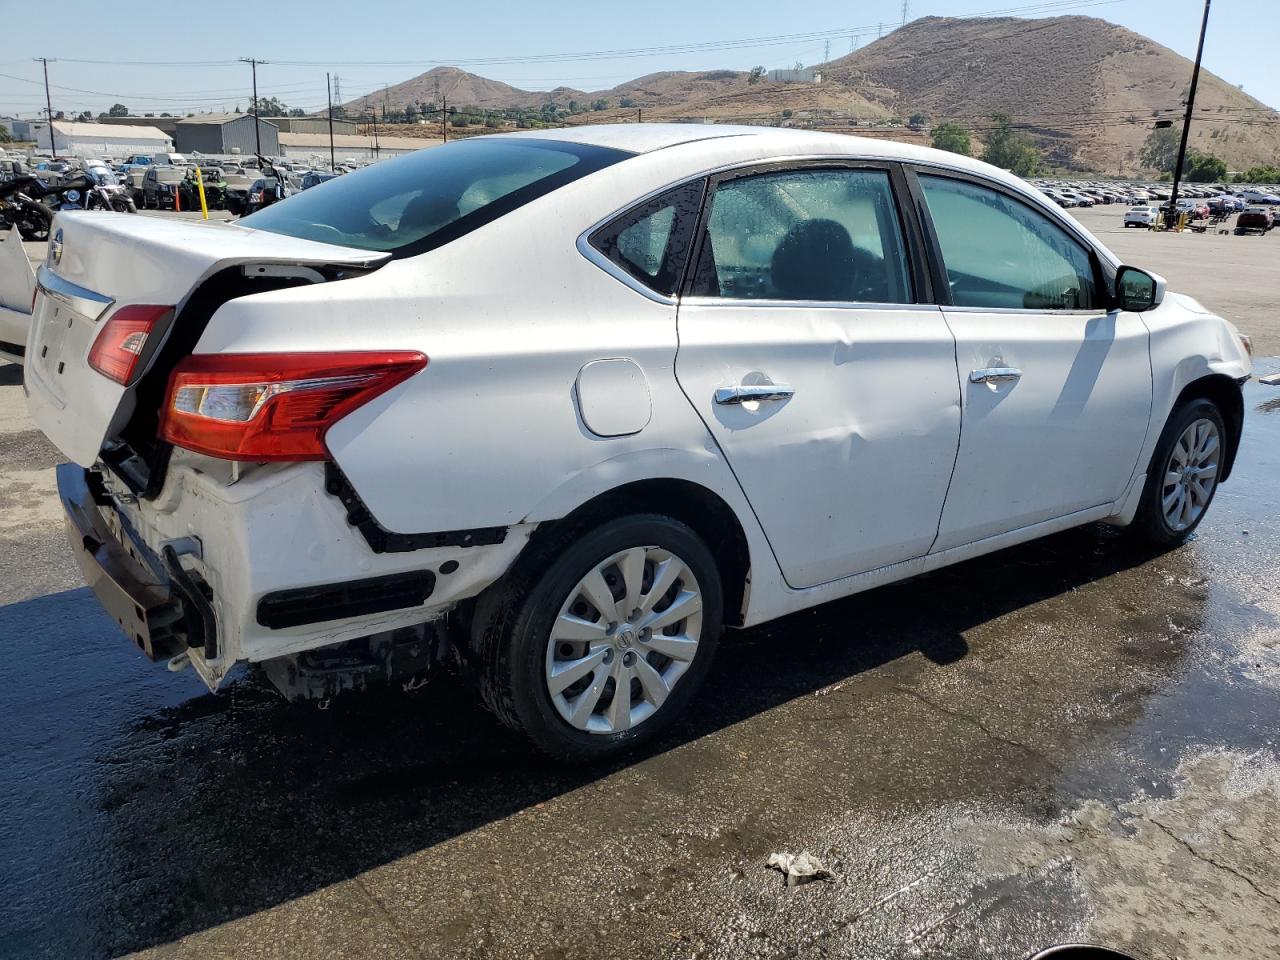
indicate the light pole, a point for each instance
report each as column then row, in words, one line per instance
column 1186, row 123
column 257, row 124
column 53, row 146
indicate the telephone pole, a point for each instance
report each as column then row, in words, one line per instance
column 444, row 118
column 333, row 165
column 53, row 147
column 257, row 124
column 1186, row 122
column 906, row 11
column 826, row 52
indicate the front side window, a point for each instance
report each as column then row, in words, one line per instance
column 651, row 242
column 1002, row 254
column 424, row 199
column 818, row 234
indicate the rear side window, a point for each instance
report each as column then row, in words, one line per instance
column 426, row 198
column 1000, row 253
column 815, row 234
column 651, row 242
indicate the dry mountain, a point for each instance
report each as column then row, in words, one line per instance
column 1086, row 89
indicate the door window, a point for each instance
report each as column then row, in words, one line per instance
column 1002, row 254
column 651, row 242
column 813, row 234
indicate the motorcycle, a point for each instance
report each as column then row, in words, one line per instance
column 22, row 211
column 95, row 189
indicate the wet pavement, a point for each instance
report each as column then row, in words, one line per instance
column 1071, row 740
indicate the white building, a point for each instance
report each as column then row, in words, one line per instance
column 348, row 146
column 99, row 139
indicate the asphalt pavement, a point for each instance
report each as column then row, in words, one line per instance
column 1075, row 739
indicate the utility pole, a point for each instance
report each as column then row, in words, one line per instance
column 826, row 52
column 906, row 11
column 53, row 146
column 639, row 114
column 1186, row 123
column 333, row 165
column 337, row 88
column 444, row 118
column 257, row 124
column 880, row 31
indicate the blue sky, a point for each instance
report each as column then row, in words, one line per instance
column 190, row 61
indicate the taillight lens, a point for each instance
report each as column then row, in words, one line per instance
column 274, row 406
column 119, row 345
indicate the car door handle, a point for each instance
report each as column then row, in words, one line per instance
column 995, row 375
column 743, row 393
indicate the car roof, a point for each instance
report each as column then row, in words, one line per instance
column 763, row 142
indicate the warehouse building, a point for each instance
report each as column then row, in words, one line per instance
column 348, row 147
column 225, row 133
column 312, row 125
column 98, row 139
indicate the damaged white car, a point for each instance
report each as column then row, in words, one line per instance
column 567, row 404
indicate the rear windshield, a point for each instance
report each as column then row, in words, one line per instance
column 427, row 198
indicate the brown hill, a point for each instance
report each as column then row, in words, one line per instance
column 1086, row 89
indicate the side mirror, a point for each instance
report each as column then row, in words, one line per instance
column 1137, row 290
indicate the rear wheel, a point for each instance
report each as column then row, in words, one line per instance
column 597, row 642
column 35, row 220
column 1184, row 474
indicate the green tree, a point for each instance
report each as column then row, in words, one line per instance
column 297, row 112
column 1205, row 168
column 917, row 120
column 786, row 114
column 5, row 136
column 575, row 107
column 1160, row 150
column 271, row 107
column 118, row 110
column 756, row 75
column 1266, row 173
column 626, row 102
column 953, row 137
column 1010, row 149
column 600, row 104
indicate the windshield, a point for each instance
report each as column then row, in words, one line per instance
column 426, row 198
column 101, row 176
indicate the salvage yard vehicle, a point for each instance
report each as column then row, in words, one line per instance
column 565, row 404
column 160, row 186
column 1143, row 216
column 1255, row 220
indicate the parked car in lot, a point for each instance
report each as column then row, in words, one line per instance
column 1257, row 219
column 627, row 385
column 160, row 187
column 313, row 178
column 1142, row 216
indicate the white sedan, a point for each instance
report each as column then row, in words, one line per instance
column 1143, row 216
column 567, row 404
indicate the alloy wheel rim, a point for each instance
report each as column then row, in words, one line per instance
column 623, row 639
column 1190, row 475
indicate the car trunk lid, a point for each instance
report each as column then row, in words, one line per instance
column 101, row 262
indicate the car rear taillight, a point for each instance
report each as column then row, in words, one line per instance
column 119, row 345
column 274, row 406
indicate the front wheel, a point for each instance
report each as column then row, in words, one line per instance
column 597, row 641
column 1184, row 474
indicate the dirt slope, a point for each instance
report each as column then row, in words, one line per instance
column 1086, row 89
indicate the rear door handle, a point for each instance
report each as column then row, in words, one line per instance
column 995, row 375
column 762, row 391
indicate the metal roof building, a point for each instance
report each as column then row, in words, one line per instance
column 312, row 125
column 349, row 147
column 98, row 139
column 222, row 133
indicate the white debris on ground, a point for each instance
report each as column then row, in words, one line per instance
column 803, row 868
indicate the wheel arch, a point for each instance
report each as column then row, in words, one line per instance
column 1224, row 392
column 698, row 507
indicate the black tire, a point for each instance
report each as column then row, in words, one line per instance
column 513, row 621
column 35, row 221
column 1150, row 522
